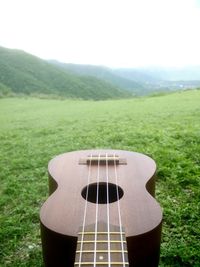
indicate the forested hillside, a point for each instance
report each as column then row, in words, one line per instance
column 103, row 73
column 140, row 81
column 21, row 72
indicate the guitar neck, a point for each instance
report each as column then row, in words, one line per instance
column 101, row 248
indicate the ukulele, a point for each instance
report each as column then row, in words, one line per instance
column 101, row 211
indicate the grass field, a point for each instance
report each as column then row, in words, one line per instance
column 32, row 131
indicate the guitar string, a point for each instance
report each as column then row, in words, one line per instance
column 108, row 215
column 85, row 210
column 97, row 211
column 119, row 213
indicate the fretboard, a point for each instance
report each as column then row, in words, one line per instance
column 101, row 248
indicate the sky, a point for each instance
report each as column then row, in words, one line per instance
column 113, row 33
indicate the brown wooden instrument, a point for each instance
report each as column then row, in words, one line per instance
column 101, row 211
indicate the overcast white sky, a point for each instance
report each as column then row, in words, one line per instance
column 115, row 33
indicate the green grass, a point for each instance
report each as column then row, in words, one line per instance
column 32, row 131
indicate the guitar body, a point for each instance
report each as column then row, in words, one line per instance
column 62, row 214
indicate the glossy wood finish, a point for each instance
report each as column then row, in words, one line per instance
column 62, row 214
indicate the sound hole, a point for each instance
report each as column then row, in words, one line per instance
column 102, row 193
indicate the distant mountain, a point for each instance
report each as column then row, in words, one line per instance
column 137, row 75
column 167, row 79
column 140, row 81
column 21, row 72
column 103, row 73
column 187, row 73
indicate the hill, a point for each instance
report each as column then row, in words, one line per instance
column 140, row 81
column 103, row 73
column 163, row 79
column 138, row 75
column 21, row 72
column 185, row 73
